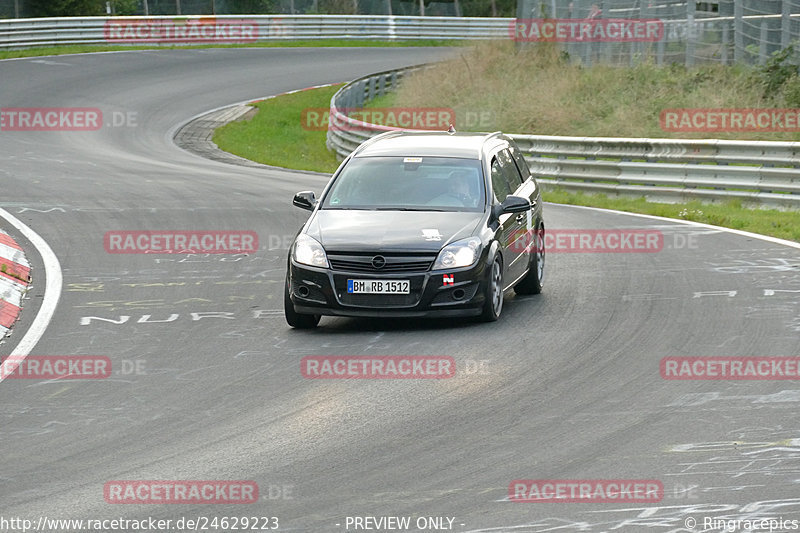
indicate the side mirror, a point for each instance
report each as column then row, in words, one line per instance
column 305, row 200
column 512, row 204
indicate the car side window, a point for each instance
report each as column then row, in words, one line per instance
column 510, row 171
column 500, row 185
column 522, row 165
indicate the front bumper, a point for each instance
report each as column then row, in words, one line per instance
column 323, row 291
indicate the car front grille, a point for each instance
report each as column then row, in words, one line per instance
column 394, row 263
column 376, row 301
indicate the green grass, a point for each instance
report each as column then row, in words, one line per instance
column 87, row 48
column 535, row 90
column 275, row 137
column 4, row 270
column 731, row 214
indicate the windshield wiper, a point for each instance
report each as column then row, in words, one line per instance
column 408, row 209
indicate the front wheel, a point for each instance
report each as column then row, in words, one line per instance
column 493, row 305
column 293, row 318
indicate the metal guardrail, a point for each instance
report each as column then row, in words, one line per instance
column 670, row 170
column 22, row 33
column 689, row 36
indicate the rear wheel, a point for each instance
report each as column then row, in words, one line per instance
column 293, row 318
column 493, row 305
column 532, row 282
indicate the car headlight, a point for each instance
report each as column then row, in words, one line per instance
column 308, row 251
column 458, row 254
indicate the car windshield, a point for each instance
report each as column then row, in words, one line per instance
column 408, row 183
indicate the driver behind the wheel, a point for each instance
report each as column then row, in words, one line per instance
column 459, row 193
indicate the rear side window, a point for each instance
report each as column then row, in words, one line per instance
column 510, row 172
column 505, row 179
column 522, row 165
column 500, row 182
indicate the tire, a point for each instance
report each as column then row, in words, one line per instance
column 293, row 318
column 493, row 305
column 532, row 282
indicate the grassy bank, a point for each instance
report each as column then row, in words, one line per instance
column 537, row 90
column 275, row 137
column 278, row 136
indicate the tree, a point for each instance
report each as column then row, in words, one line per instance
column 484, row 8
column 253, row 6
column 124, row 7
column 65, row 8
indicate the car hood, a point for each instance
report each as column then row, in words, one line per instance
column 356, row 230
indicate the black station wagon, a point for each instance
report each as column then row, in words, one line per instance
column 418, row 224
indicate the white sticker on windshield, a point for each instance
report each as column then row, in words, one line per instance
column 412, row 160
column 432, row 235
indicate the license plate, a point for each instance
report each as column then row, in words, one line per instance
column 374, row 286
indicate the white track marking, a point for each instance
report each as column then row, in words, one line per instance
column 52, row 290
column 767, row 238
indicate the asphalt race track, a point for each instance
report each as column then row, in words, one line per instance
column 565, row 386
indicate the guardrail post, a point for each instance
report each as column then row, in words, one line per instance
column 605, row 48
column 371, row 90
column 642, row 48
column 691, row 34
column 383, row 85
column 726, row 37
column 786, row 24
column 738, row 32
column 361, row 94
column 351, row 96
column 584, row 48
column 569, row 46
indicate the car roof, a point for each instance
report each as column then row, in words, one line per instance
column 429, row 144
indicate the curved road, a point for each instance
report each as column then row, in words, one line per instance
column 565, row 386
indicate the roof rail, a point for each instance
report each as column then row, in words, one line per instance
column 488, row 137
column 372, row 140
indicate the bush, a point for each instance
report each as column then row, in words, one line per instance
column 777, row 71
column 65, row 8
